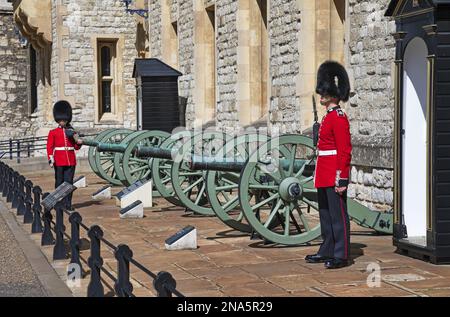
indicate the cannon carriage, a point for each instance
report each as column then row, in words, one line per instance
column 251, row 182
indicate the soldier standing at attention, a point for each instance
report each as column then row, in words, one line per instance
column 61, row 147
column 333, row 167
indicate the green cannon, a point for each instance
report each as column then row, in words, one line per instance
column 111, row 155
column 171, row 156
column 100, row 162
column 278, row 201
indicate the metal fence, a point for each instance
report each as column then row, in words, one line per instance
column 24, row 147
column 26, row 199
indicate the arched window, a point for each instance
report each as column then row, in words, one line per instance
column 106, row 75
column 33, row 80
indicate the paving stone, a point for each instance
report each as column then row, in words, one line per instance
column 266, row 270
column 294, row 283
column 228, row 263
column 361, row 290
column 260, row 289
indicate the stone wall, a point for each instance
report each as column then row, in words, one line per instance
column 76, row 27
column 371, row 108
column 173, row 10
column 14, row 114
column 186, row 56
column 227, row 45
column 372, row 187
column 155, row 28
column 284, row 25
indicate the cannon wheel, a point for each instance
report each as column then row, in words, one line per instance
column 189, row 185
column 93, row 150
column 222, row 187
column 160, row 168
column 275, row 213
column 133, row 168
column 117, row 156
column 105, row 161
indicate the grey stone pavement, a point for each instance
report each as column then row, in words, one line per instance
column 24, row 270
column 17, row 277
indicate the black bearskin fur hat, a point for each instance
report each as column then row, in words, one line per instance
column 62, row 110
column 333, row 81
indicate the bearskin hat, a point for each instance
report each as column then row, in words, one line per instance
column 333, row 81
column 62, row 110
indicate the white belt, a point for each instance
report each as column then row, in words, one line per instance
column 327, row 153
column 64, row 149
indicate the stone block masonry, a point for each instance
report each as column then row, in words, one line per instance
column 15, row 119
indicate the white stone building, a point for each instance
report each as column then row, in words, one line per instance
column 243, row 62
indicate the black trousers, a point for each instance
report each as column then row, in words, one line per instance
column 65, row 174
column 334, row 223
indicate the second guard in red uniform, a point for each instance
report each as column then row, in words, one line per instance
column 61, row 147
column 333, row 167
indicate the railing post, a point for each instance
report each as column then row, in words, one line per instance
column 13, row 191
column 28, row 214
column 18, row 151
column 36, row 227
column 6, row 183
column 47, row 236
column 59, row 250
column 19, row 201
column 95, row 262
column 123, row 287
column 75, row 219
column 10, row 149
column 29, row 149
column 2, row 175
column 164, row 284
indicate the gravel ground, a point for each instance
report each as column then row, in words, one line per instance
column 17, row 278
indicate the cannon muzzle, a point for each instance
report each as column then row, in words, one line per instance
column 153, row 152
column 90, row 142
column 111, row 147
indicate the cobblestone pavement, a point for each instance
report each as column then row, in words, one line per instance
column 228, row 263
column 17, row 277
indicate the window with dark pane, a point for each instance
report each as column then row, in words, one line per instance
column 106, row 96
column 106, row 52
column 106, row 61
column 33, row 80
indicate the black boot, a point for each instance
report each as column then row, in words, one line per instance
column 336, row 263
column 316, row 258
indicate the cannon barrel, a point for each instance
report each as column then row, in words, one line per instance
column 90, row 142
column 230, row 164
column 111, row 147
column 227, row 164
column 153, row 152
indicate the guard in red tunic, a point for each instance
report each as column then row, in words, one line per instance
column 333, row 167
column 61, row 147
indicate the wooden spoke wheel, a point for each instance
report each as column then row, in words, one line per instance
column 189, row 185
column 276, row 191
column 105, row 160
column 131, row 168
column 222, row 187
column 92, row 151
column 161, row 168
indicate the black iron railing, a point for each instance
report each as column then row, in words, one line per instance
column 26, row 199
column 24, row 147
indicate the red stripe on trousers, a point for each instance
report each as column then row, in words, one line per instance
column 345, row 228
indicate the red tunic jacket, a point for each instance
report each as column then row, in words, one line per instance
column 60, row 148
column 334, row 150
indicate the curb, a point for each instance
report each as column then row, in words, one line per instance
column 49, row 279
